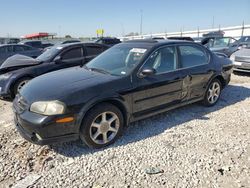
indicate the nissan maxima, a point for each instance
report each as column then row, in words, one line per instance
column 128, row 82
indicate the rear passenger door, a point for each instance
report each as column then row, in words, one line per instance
column 92, row 51
column 194, row 61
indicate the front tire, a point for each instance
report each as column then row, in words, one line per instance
column 19, row 85
column 213, row 93
column 102, row 125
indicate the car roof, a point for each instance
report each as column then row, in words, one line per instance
column 78, row 43
column 13, row 45
column 155, row 43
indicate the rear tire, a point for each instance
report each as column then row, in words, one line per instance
column 102, row 125
column 213, row 93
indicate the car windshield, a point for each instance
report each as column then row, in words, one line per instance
column 221, row 42
column 245, row 39
column 119, row 60
column 49, row 54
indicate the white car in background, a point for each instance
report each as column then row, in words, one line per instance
column 241, row 59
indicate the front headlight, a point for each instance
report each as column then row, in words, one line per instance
column 48, row 107
column 232, row 57
column 5, row 76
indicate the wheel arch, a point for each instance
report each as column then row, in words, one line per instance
column 220, row 78
column 117, row 102
column 11, row 87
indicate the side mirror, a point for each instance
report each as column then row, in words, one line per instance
column 147, row 72
column 58, row 59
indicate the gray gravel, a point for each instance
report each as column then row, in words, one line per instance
column 193, row 146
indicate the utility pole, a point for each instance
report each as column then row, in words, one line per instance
column 141, row 22
column 243, row 27
column 213, row 23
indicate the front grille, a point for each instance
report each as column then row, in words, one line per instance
column 20, row 104
column 242, row 59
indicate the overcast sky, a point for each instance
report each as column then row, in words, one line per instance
column 81, row 18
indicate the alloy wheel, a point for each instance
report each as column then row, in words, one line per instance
column 21, row 84
column 104, row 128
column 214, row 92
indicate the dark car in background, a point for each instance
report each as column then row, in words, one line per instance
column 9, row 50
column 33, row 43
column 181, row 38
column 244, row 41
column 128, row 82
column 108, row 41
column 16, row 71
column 9, row 40
column 241, row 59
column 225, row 45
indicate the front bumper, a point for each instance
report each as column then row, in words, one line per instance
column 43, row 130
column 36, row 139
column 4, row 90
column 242, row 66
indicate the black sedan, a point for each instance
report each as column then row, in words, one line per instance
column 16, row 71
column 128, row 82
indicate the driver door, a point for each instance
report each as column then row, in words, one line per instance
column 162, row 89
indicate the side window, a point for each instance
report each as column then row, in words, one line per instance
column 3, row 49
column 18, row 49
column 6, row 49
column 26, row 48
column 93, row 50
column 163, row 60
column 192, row 56
column 72, row 53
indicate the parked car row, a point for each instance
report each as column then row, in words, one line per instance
column 17, row 70
column 92, row 90
column 96, row 100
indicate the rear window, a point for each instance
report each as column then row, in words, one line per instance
column 192, row 56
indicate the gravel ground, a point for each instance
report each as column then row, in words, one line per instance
column 193, row 146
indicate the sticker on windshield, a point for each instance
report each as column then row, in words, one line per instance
column 138, row 50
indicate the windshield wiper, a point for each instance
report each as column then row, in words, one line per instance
column 98, row 70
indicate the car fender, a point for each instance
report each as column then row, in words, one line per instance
column 116, row 98
column 15, row 78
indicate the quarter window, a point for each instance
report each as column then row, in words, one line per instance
column 73, row 53
column 192, row 56
column 93, row 50
column 162, row 60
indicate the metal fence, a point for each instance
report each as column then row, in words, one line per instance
column 235, row 31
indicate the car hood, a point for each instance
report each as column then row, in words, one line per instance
column 218, row 48
column 243, row 52
column 19, row 61
column 63, row 83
